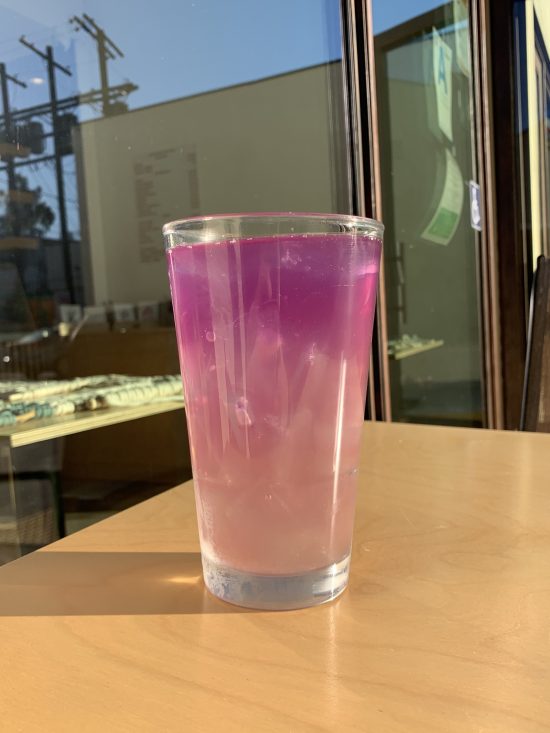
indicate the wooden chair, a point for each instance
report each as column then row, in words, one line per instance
column 535, row 412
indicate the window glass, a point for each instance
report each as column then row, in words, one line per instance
column 542, row 75
column 118, row 117
column 432, row 211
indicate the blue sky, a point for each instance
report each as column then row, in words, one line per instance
column 173, row 48
column 176, row 48
column 388, row 13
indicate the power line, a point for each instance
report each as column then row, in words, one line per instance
column 52, row 66
column 8, row 44
column 42, row 180
column 106, row 50
column 89, row 98
column 10, row 131
column 54, row 196
column 23, row 121
column 45, row 55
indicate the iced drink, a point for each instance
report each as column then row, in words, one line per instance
column 274, row 339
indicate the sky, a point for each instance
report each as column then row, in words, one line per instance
column 388, row 13
column 172, row 49
column 175, row 48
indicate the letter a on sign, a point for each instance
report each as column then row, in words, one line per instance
column 443, row 78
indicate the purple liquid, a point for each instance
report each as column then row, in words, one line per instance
column 274, row 339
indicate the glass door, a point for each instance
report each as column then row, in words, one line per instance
column 542, row 73
column 431, row 209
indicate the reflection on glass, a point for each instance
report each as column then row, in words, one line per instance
column 425, row 121
column 107, row 133
column 542, row 73
column 546, row 149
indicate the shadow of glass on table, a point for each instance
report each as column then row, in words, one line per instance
column 54, row 583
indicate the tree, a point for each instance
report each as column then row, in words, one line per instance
column 26, row 216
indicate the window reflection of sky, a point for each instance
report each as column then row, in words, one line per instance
column 172, row 49
column 389, row 13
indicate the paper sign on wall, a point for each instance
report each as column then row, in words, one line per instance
column 159, row 177
column 443, row 78
column 445, row 220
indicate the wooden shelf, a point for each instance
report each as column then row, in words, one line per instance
column 413, row 350
column 19, row 243
column 36, row 431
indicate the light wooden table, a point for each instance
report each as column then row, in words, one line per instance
column 445, row 626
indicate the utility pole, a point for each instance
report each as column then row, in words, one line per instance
column 8, row 126
column 65, row 237
column 106, row 49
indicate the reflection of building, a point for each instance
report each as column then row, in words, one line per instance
column 269, row 145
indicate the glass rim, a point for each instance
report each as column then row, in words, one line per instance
column 362, row 223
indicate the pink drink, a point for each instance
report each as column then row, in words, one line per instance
column 274, row 337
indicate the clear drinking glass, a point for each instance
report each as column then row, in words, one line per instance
column 274, row 316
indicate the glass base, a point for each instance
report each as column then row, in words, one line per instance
column 276, row 592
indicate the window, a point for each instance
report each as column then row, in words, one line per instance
column 431, row 246
column 542, row 70
column 113, row 124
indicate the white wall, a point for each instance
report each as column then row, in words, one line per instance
column 264, row 146
column 542, row 9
